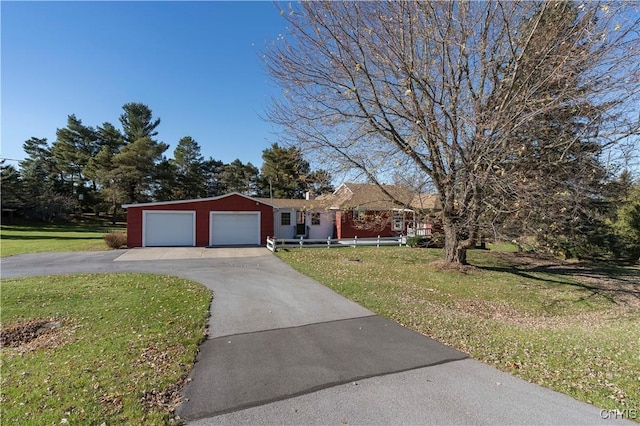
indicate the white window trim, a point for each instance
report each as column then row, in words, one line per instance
column 282, row 213
column 397, row 221
column 315, row 215
column 357, row 213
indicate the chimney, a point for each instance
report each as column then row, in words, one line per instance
column 308, row 196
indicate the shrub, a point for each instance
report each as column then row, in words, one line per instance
column 116, row 240
column 417, row 241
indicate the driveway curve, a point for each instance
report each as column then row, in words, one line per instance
column 283, row 349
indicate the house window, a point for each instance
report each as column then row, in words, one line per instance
column 285, row 218
column 398, row 221
column 315, row 218
column 360, row 215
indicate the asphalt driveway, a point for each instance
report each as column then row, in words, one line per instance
column 283, row 349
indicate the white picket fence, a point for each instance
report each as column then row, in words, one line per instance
column 274, row 244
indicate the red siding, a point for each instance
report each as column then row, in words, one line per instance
column 348, row 228
column 134, row 227
column 202, row 208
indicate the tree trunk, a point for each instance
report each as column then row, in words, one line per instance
column 455, row 249
column 115, row 210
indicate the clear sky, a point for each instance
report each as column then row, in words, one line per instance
column 197, row 65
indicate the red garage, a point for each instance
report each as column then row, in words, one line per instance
column 232, row 219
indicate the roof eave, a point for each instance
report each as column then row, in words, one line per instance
column 196, row 200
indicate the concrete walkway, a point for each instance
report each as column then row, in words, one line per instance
column 283, row 349
column 175, row 253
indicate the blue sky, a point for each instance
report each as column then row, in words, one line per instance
column 197, row 65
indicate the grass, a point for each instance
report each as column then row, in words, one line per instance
column 123, row 345
column 38, row 238
column 503, row 246
column 547, row 328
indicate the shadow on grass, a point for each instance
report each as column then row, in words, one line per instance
column 48, row 237
column 618, row 281
column 615, row 284
column 60, row 228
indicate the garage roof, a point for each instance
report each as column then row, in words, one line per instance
column 197, row 200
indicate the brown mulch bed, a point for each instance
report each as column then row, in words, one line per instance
column 28, row 331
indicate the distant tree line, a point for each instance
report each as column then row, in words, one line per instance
column 96, row 169
column 99, row 169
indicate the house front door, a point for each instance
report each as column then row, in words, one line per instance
column 301, row 229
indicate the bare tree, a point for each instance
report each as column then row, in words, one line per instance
column 455, row 90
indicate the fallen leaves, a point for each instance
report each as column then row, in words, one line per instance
column 164, row 400
column 112, row 402
column 27, row 331
column 36, row 333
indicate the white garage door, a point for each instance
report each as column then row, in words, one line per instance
column 235, row 228
column 169, row 228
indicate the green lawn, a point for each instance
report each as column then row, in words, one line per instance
column 120, row 347
column 550, row 329
column 37, row 238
